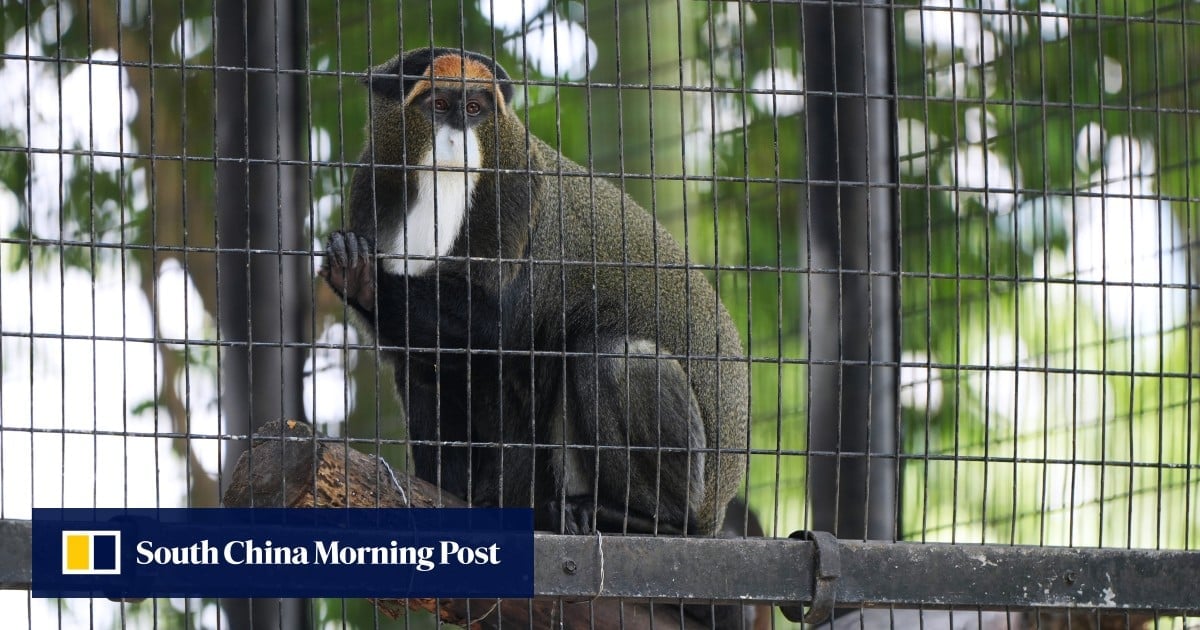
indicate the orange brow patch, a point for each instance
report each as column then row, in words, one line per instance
column 456, row 67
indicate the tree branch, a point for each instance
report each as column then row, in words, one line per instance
column 290, row 466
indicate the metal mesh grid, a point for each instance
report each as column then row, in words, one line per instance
column 968, row 320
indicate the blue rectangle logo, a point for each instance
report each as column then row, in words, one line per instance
column 272, row 552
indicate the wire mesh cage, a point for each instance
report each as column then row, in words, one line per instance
column 915, row 272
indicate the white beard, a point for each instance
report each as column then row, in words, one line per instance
column 435, row 218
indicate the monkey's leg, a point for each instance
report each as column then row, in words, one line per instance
column 437, row 428
column 641, row 465
column 477, row 439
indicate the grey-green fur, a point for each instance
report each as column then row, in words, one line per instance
column 588, row 253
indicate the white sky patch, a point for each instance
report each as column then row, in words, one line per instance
column 1128, row 241
column 1111, row 75
column 180, row 309
column 10, row 208
column 1126, row 158
column 767, row 86
column 1068, row 485
column 724, row 29
column 948, row 27
column 978, row 124
column 323, row 208
column 508, row 16
column 192, row 37
column 70, row 387
column 986, row 176
column 320, row 145
column 197, row 386
column 78, row 395
column 920, row 385
column 1055, row 25
column 1011, row 394
column 54, row 385
column 98, row 105
column 1073, row 400
column 962, row 81
column 699, row 125
column 914, row 141
column 54, row 21
column 719, row 117
column 999, row 18
column 101, row 104
column 1126, row 237
column 328, row 398
column 556, row 46
column 182, row 316
column 1089, row 147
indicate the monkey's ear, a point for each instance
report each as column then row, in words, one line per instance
column 385, row 80
column 506, row 86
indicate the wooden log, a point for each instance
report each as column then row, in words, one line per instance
column 290, row 466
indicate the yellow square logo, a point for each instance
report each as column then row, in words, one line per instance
column 91, row 552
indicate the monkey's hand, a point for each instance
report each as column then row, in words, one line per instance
column 349, row 268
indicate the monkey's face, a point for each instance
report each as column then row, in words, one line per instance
column 450, row 105
column 455, row 112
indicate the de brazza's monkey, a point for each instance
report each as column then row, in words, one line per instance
column 552, row 348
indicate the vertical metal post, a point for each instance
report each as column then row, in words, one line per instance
column 263, row 293
column 853, row 240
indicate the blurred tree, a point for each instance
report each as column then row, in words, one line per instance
column 262, row 277
column 1048, row 206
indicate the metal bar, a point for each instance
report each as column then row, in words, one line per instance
column 780, row 570
column 16, row 555
column 873, row 573
column 996, row 576
column 851, row 228
column 766, row 569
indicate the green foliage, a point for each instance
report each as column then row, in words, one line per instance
column 1031, row 369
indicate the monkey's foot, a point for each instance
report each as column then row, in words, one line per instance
column 582, row 515
column 349, row 269
column 574, row 515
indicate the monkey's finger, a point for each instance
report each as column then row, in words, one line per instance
column 352, row 253
column 337, row 249
column 364, row 246
column 335, row 278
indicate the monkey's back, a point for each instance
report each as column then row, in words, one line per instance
column 632, row 274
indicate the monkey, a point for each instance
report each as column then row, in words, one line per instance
column 552, row 346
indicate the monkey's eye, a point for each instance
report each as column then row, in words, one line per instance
column 441, row 105
column 473, row 108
